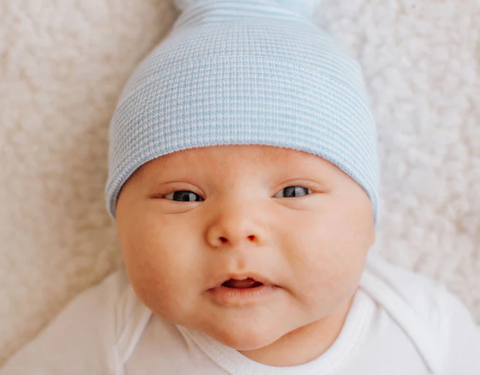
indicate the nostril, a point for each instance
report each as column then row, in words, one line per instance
column 251, row 238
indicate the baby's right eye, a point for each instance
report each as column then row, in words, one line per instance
column 183, row 196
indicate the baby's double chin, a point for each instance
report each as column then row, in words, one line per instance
column 277, row 342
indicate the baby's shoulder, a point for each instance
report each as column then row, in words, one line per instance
column 436, row 320
column 112, row 300
column 427, row 297
column 84, row 335
column 103, row 307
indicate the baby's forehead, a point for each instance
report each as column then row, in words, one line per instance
column 234, row 155
column 231, row 158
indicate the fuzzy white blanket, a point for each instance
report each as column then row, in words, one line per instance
column 63, row 64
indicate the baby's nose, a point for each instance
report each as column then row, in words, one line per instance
column 236, row 223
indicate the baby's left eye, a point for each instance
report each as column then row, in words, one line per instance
column 183, row 196
column 293, row 191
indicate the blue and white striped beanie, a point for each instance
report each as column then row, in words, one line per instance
column 245, row 72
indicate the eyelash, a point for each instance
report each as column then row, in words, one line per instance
column 309, row 188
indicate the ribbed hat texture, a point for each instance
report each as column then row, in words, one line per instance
column 245, row 72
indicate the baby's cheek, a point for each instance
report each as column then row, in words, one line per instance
column 162, row 292
column 325, row 270
column 164, row 281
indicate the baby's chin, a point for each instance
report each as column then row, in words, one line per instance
column 245, row 340
column 246, row 336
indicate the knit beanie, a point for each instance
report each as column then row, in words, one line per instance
column 234, row 72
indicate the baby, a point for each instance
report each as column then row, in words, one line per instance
column 243, row 179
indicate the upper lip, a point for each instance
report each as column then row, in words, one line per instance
column 240, row 276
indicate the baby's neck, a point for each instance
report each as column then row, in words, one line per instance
column 305, row 343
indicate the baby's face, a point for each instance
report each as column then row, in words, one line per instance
column 191, row 220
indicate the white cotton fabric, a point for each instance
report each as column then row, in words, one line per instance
column 400, row 323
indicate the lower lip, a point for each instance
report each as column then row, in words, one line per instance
column 241, row 296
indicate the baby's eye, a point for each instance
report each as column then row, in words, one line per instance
column 293, row 191
column 183, row 196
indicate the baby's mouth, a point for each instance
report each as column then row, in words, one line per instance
column 242, row 284
column 241, row 281
column 242, row 290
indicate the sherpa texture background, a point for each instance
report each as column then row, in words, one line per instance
column 63, row 64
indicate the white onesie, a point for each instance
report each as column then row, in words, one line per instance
column 400, row 323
